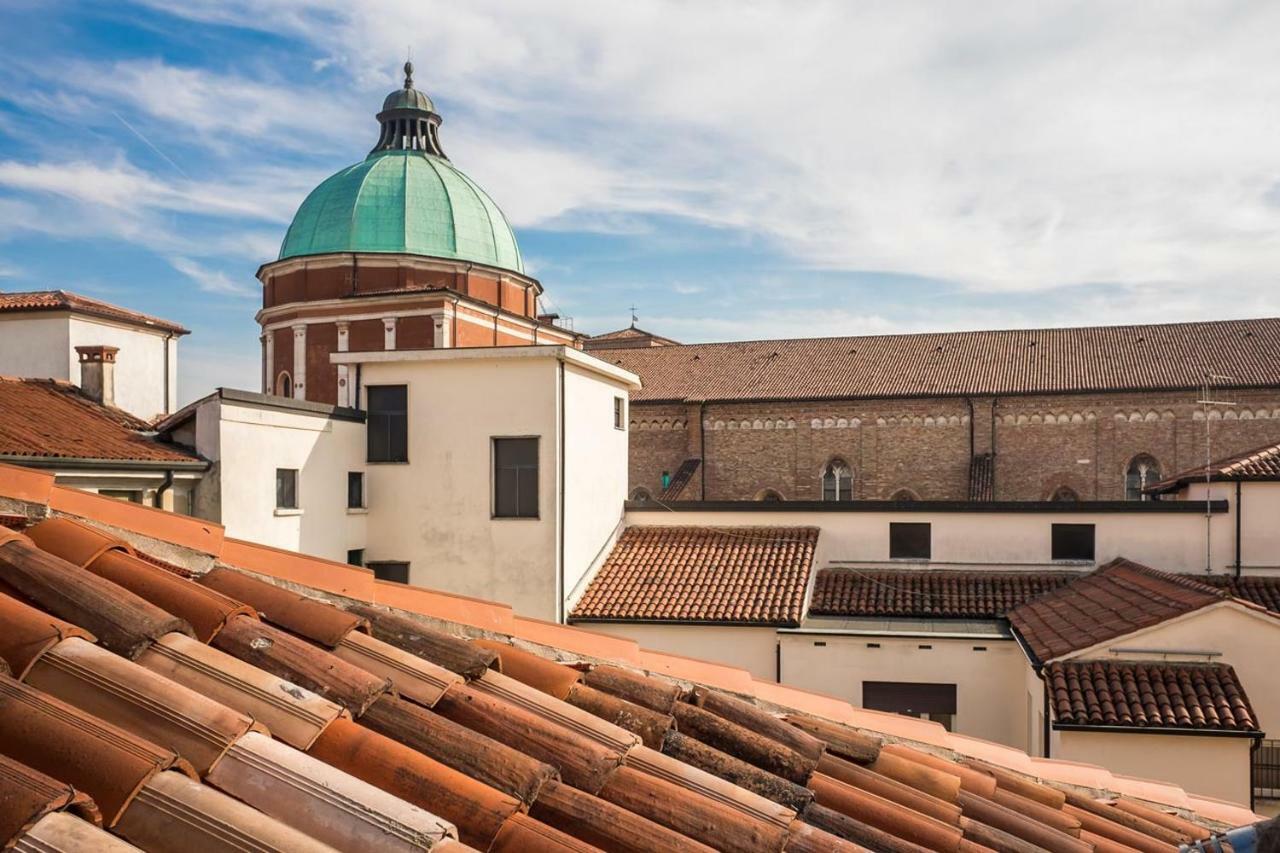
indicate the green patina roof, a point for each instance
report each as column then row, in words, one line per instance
column 406, row 202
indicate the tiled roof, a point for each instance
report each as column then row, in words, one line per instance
column 61, row 300
column 1149, row 695
column 703, row 574
column 1105, row 358
column 1262, row 590
column 48, row 418
column 1262, row 463
column 260, row 733
column 1111, row 601
column 626, row 338
column 946, row 594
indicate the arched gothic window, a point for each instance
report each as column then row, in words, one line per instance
column 284, row 384
column 640, row 493
column 837, row 481
column 770, row 496
column 1064, row 494
column 1143, row 471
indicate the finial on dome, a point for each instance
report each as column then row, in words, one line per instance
column 408, row 74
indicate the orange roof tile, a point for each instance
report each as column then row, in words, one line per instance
column 741, row 575
column 1261, row 463
column 61, row 300
column 46, row 418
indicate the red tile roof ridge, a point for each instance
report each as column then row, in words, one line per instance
column 1259, row 463
column 65, row 300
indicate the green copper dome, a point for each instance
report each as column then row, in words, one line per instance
column 406, row 198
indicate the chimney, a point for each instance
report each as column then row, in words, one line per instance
column 98, row 373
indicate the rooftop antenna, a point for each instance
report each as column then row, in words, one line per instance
column 1206, row 400
column 634, row 318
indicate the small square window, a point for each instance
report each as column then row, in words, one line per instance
column 1073, row 542
column 355, row 490
column 910, row 540
column 619, row 413
column 355, row 557
column 390, row 570
column 515, row 478
column 286, row 488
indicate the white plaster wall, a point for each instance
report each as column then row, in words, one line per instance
column 990, row 684
column 595, row 470
column 435, row 511
column 252, row 442
column 1248, row 641
column 751, row 648
column 1259, row 508
column 140, row 364
column 37, row 346
column 997, row 540
column 1213, row 766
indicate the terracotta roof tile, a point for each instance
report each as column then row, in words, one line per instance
column 947, row 594
column 703, row 574
column 61, row 300
column 1261, row 463
column 1102, row 358
column 45, row 418
column 1156, row 695
column 1262, row 590
column 1111, row 601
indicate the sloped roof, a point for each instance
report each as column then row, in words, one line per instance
column 1111, row 601
column 1261, row 463
column 61, row 300
column 1262, row 590
column 569, row 729
column 1149, row 695
column 703, row 574
column 946, row 594
column 50, row 419
column 1101, row 358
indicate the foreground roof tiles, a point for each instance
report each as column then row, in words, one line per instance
column 752, row 575
column 1104, row 358
column 943, row 594
column 1111, row 601
column 61, row 300
column 46, row 418
column 1155, row 695
column 516, row 749
column 1262, row 590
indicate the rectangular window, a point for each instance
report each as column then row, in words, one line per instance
column 286, row 488
column 619, row 413
column 1073, row 542
column 388, row 425
column 355, row 557
column 910, row 540
column 515, row 478
column 935, row 702
column 355, row 490
column 134, row 497
column 390, row 570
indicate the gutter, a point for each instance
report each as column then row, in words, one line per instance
column 158, row 502
column 702, row 447
column 167, row 466
column 560, row 515
column 1239, row 512
column 926, row 507
column 1141, row 730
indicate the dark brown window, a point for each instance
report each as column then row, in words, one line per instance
column 619, row 413
column 286, row 488
column 837, row 481
column 910, row 540
column 1143, row 471
column 355, row 490
column 390, row 570
column 935, row 702
column 388, row 425
column 355, row 557
column 515, row 478
column 1073, row 542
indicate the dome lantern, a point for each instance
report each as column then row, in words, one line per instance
column 409, row 121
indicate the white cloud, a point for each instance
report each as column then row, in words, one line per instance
column 1014, row 147
column 210, row 280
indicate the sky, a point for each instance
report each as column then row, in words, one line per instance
column 734, row 170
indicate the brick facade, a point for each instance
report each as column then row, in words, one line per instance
column 1041, row 443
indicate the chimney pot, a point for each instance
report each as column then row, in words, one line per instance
column 98, row 373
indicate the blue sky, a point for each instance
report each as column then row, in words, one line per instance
column 735, row 170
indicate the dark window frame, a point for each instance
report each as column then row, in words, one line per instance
column 1066, row 542
column 279, row 483
column 351, row 481
column 837, row 481
column 389, row 570
column 384, row 445
column 901, row 544
column 620, row 413
column 936, row 701
column 355, row 557
column 516, row 473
